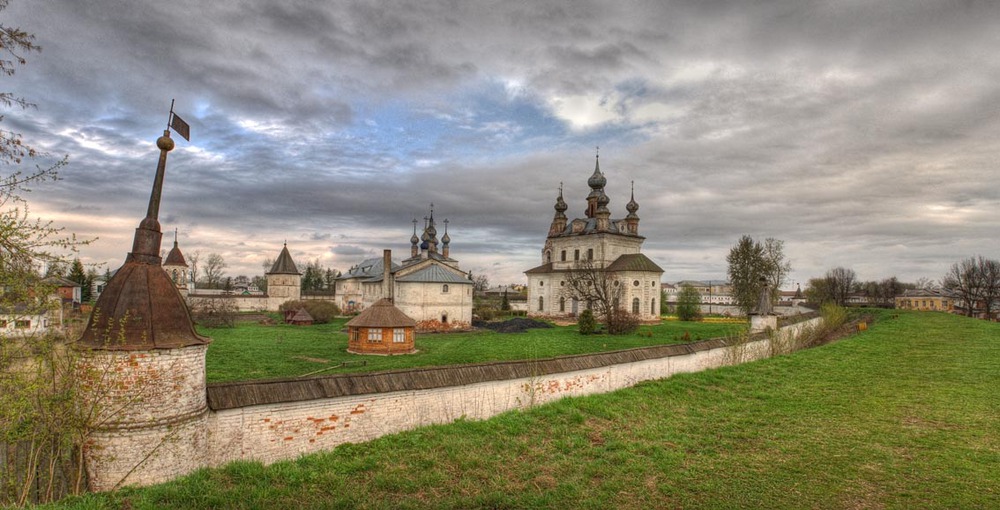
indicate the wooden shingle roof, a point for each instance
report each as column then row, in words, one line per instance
column 382, row 314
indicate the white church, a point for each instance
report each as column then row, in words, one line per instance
column 428, row 286
column 599, row 242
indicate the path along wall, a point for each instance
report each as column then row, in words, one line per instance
column 278, row 420
column 182, row 425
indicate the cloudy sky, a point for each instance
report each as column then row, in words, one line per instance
column 864, row 134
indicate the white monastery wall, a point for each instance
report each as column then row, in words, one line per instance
column 170, row 441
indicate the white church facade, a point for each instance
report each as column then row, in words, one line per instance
column 594, row 243
column 428, row 287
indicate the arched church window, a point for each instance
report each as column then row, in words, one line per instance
column 562, row 304
column 635, row 305
column 444, row 288
column 541, row 303
column 652, row 307
column 562, row 256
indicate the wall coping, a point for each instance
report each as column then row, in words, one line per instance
column 231, row 395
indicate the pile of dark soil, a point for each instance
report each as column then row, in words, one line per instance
column 515, row 325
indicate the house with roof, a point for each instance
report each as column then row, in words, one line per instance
column 611, row 246
column 428, row 287
column 926, row 300
column 69, row 292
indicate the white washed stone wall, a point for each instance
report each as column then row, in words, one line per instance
column 274, row 432
column 167, row 440
column 152, row 415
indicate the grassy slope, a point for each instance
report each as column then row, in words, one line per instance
column 906, row 415
column 252, row 351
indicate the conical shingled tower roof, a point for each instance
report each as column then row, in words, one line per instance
column 175, row 257
column 141, row 308
column 382, row 314
column 284, row 264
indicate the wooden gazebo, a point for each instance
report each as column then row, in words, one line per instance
column 381, row 329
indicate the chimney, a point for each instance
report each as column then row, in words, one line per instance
column 387, row 283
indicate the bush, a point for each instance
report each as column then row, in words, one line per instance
column 322, row 311
column 485, row 312
column 587, row 323
column 621, row 322
column 215, row 312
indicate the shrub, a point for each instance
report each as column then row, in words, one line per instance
column 621, row 322
column 587, row 323
column 322, row 311
column 215, row 312
column 485, row 312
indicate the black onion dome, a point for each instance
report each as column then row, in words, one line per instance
column 597, row 180
column 561, row 206
column 632, row 206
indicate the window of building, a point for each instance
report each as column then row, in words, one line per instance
column 635, row 283
column 355, row 335
column 375, row 335
column 614, row 303
column 652, row 284
column 616, row 282
column 652, row 307
column 398, row 335
column 541, row 283
column 562, row 304
column 590, row 254
column 541, row 303
column 444, row 318
column 548, row 256
column 562, row 256
column 22, row 324
column 444, row 288
column 562, row 283
column 576, row 254
column 3, row 324
column 635, row 305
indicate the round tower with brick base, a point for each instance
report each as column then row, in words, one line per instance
column 142, row 369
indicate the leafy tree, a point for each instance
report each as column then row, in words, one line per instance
column 688, row 304
column 39, row 411
column 260, row 282
column 751, row 263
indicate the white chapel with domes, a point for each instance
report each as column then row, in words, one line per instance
column 597, row 241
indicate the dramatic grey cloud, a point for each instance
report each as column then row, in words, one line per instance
column 863, row 134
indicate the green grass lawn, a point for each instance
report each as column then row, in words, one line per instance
column 905, row 415
column 253, row 351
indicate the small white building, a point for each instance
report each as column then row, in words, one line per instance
column 428, row 287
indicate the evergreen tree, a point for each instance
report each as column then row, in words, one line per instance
column 76, row 273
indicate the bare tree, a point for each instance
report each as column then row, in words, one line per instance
column 976, row 282
column 214, row 269
column 480, row 283
column 840, row 281
column 601, row 290
column 192, row 260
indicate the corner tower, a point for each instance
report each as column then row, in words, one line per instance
column 142, row 367
column 284, row 281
